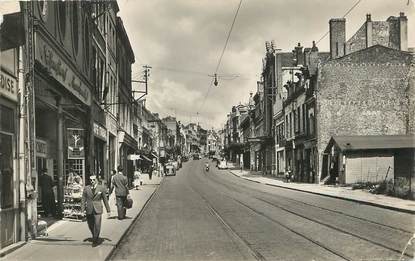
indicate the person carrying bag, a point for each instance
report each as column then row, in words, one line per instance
column 128, row 203
column 120, row 184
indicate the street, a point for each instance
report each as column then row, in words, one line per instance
column 214, row 215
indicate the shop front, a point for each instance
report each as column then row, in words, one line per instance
column 128, row 146
column 9, row 192
column 10, row 210
column 62, row 119
column 100, row 138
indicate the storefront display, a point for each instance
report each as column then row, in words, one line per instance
column 72, row 203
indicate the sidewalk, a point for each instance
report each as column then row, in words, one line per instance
column 345, row 193
column 68, row 240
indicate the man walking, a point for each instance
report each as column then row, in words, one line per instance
column 91, row 198
column 120, row 184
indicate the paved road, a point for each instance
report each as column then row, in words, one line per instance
column 213, row 215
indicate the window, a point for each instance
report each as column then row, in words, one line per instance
column 6, row 119
column 287, row 124
column 6, row 170
column 86, row 47
column 295, row 121
column 6, row 158
column 304, row 119
column 94, row 67
column 312, row 123
column 75, row 25
column 62, row 17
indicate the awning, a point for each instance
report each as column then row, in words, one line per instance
column 146, row 158
column 134, row 157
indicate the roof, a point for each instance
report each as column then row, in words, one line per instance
column 378, row 54
column 349, row 143
column 122, row 33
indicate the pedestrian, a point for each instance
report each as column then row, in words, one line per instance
column 130, row 179
column 137, row 179
column 150, row 172
column 48, row 197
column 92, row 198
column 113, row 172
column 120, row 185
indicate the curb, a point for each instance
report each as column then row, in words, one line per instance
column 337, row 197
column 127, row 231
column 13, row 247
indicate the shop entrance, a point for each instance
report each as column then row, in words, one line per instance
column 7, row 231
column 99, row 158
column 8, row 210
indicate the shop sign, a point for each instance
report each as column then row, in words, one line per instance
column 75, row 143
column 100, row 132
column 41, row 148
column 59, row 70
column 8, row 86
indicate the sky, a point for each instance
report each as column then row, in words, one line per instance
column 182, row 40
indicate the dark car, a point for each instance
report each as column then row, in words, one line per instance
column 196, row 156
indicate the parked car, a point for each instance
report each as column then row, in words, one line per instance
column 196, row 156
column 222, row 165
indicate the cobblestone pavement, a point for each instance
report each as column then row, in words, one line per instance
column 200, row 215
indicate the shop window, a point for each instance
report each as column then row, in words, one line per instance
column 6, row 119
column 6, row 170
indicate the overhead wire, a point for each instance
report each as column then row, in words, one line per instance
column 324, row 36
column 222, row 53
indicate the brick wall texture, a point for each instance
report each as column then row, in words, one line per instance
column 364, row 93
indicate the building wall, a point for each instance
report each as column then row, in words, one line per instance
column 362, row 98
column 357, row 41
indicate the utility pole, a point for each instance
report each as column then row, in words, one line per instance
column 146, row 76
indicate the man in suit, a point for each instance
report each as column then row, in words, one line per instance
column 119, row 182
column 92, row 198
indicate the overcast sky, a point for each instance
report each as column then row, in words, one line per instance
column 183, row 39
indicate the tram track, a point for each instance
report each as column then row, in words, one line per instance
column 288, row 199
column 255, row 253
column 237, row 189
column 398, row 251
column 233, row 233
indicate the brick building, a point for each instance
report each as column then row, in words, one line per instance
column 367, row 91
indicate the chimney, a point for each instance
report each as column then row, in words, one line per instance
column 403, row 31
column 369, row 31
column 312, row 68
column 299, row 54
column 337, row 30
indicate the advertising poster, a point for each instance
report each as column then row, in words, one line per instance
column 75, row 143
